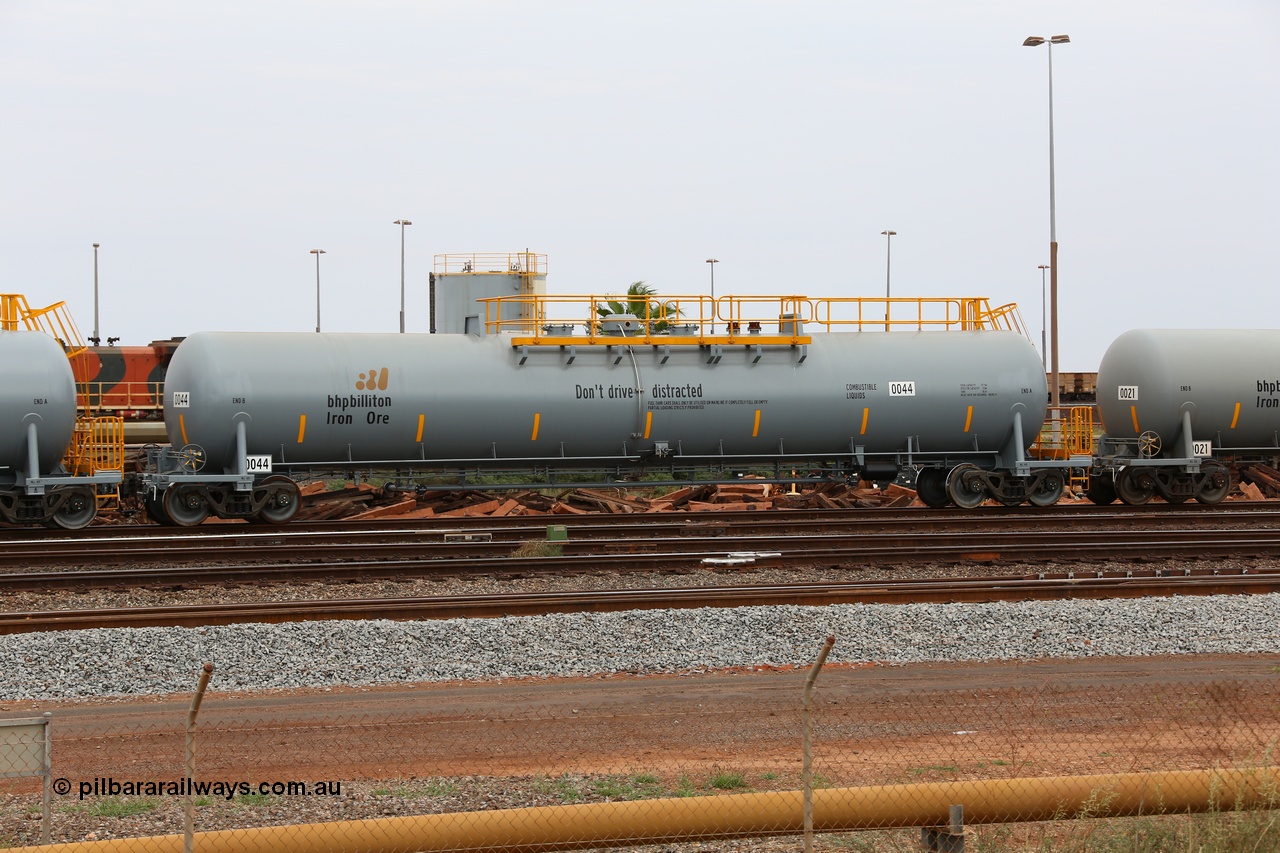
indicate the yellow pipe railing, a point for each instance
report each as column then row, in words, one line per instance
column 555, row 320
column 53, row 320
column 667, row 821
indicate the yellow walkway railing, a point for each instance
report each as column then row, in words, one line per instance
column 54, row 320
column 546, row 320
column 98, row 445
column 1067, row 432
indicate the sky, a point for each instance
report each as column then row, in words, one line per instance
column 208, row 148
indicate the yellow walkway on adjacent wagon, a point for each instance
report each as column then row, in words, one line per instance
column 98, row 442
column 541, row 320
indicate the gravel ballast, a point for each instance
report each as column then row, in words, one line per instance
column 134, row 661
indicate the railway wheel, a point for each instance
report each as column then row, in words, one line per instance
column 283, row 500
column 1101, row 490
column 1135, row 487
column 78, row 509
column 1216, row 483
column 153, row 502
column 1048, row 490
column 931, row 488
column 966, row 486
column 185, row 506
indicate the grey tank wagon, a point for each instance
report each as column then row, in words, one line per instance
column 248, row 411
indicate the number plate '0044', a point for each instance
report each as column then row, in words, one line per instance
column 257, row 464
column 902, row 389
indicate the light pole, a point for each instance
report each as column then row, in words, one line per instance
column 1036, row 41
column 713, row 262
column 317, row 253
column 1044, row 353
column 96, row 338
column 888, row 242
column 402, row 223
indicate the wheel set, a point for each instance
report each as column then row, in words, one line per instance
column 967, row 486
column 274, row 500
column 1136, row 485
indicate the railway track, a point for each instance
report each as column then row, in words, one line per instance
column 236, row 553
column 366, row 562
column 1131, row 584
column 165, row 559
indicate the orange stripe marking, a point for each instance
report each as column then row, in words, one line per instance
column 866, row 413
column 968, row 419
column 421, row 419
column 537, row 418
column 302, row 427
column 1236, row 416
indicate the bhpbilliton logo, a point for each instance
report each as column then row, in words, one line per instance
column 374, row 380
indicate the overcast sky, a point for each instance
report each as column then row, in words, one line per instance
column 208, row 148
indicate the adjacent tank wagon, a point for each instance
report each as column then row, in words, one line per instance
column 37, row 424
column 1177, row 405
column 964, row 406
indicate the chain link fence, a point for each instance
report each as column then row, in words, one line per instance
column 663, row 761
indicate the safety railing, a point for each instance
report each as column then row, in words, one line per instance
column 1067, row 432
column 503, row 263
column 120, row 396
column 915, row 313
column 567, row 320
column 55, row 320
column 97, row 445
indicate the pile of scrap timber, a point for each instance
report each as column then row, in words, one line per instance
column 366, row 501
column 1258, row 482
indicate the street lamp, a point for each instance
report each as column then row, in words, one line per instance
column 713, row 262
column 1044, row 353
column 317, row 253
column 1036, row 41
column 96, row 338
column 888, row 240
column 402, row 223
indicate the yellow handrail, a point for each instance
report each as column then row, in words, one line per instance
column 54, row 320
column 98, row 445
column 120, row 395
column 548, row 319
column 1067, row 432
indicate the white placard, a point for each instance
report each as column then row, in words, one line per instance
column 257, row 464
column 902, row 388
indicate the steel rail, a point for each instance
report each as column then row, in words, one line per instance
column 969, row 590
column 216, row 543
column 597, row 525
column 367, row 562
